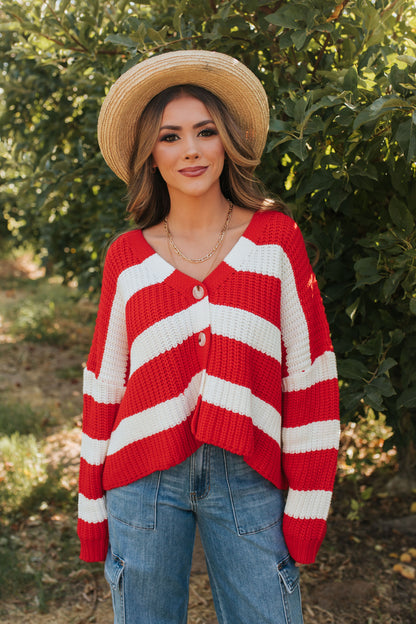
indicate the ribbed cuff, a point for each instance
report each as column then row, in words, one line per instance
column 94, row 550
column 303, row 538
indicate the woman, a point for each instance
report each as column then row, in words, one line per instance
column 210, row 387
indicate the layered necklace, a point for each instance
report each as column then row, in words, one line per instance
column 211, row 252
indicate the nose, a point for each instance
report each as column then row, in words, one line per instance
column 191, row 149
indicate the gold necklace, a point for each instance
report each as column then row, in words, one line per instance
column 211, row 252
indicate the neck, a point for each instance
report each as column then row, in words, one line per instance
column 192, row 214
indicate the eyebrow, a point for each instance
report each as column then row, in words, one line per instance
column 197, row 125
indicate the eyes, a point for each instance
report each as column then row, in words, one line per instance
column 171, row 137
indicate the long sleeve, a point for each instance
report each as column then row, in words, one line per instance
column 310, row 408
column 104, row 386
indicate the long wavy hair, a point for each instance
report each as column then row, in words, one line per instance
column 148, row 197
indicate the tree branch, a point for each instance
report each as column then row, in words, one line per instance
column 66, row 31
column 334, row 16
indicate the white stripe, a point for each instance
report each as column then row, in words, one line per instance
column 240, row 400
column 295, row 332
column 261, row 259
column 324, row 368
column 308, row 505
column 168, row 333
column 247, row 327
column 151, row 271
column 101, row 392
column 114, row 360
column 93, row 451
column 316, row 436
column 156, row 419
column 272, row 260
column 91, row 510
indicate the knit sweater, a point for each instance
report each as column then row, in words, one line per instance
column 242, row 360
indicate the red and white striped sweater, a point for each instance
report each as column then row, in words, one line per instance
column 242, row 361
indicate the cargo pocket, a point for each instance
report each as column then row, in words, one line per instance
column 256, row 503
column 135, row 504
column 290, row 589
column 113, row 572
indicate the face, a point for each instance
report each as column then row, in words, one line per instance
column 188, row 152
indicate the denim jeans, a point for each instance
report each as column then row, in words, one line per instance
column 152, row 526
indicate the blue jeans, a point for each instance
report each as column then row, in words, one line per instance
column 239, row 513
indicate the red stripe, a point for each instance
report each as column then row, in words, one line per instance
column 311, row 471
column 151, row 305
column 317, row 403
column 101, row 417
column 230, row 431
column 90, row 480
column 266, row 458
column 253, row 292
column 92, row 530
column 157, row 452
column 255, row 369
column 162, row 378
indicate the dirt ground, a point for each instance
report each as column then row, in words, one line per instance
column 364, row 574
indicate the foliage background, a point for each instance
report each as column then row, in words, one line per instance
column 341, row 81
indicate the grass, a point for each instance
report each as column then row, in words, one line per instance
column 40, row 318
column 18, row 418
column 37, row 521
column 44, row 314
column 43, row 311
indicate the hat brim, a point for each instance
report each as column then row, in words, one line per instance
column 231, row 81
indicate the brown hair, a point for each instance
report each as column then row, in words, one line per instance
column 148, row 195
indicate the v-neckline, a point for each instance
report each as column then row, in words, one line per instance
column 214, row 277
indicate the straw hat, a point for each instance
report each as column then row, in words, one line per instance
column 231, row 81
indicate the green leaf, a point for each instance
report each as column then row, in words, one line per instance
column 387, row 365
column 352, row 309
column 406, row 138
column 177, row 20
column 407, row 399
column 277, row 125
column 384, row 386
column 391, row 284
column 120, row 40
column 298, row 147
column 374, row 399
column 401, row 216
column 378, row 108
column 351, row 79
column 352, row 369
column 299, row 37
column 373, row 346
column 287, row 16
column 156, row 36
column 367, row 271
column 396, row 337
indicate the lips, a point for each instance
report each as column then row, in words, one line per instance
column 193, row 171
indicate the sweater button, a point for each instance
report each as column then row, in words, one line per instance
column 198, row 292
column 202, row 339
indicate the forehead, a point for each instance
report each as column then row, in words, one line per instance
column 185, row 107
